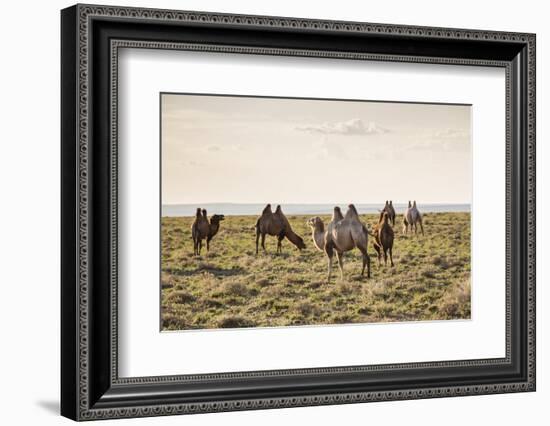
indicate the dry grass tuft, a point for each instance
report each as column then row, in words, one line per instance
column 235, row 322
column 456, row 302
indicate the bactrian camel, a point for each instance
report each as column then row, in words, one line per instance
column 383, row 238
column 411, row 218
column 276, row 224
column 344, row 233
column 388, row 207
column 204, row 229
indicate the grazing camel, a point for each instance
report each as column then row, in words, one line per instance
column 388, row 207
column 276, row 224
column 411, row 218
column 383, row 238
column 199, row 230
column 345, row 233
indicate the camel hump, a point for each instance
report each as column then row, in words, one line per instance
column 337, row 214
column 278, row 209
column 267, row 209
column 352, row 212
column 198, row 213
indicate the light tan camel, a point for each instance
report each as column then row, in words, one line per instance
column 344, row 233
column 199, row 230
column 383, row 238
column 388, row 207
column 276, row 224
column 411, row 218
column 318, row 232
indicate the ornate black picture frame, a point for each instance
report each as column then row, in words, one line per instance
column 91, row 37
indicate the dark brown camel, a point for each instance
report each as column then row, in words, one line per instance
column 203, row 229
column 199, row 231
column 388, row 207
column 383, row 238
column 214, row 228
column 276, row 224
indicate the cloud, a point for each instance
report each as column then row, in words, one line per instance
column 354, row 126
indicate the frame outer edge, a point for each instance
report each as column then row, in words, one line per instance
column 83, row 12
column 69, row 221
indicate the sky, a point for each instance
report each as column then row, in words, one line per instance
column 226, row 149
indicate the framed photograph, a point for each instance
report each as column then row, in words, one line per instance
column 263, row 212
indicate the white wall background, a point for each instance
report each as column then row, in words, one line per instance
column 29, row 215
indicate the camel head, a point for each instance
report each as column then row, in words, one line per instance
column 299, row 242
column 316, row 223
column 217, row 218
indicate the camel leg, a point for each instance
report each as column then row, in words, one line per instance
column 404, row 227
column 199, row 247
column 257, row 239
column 329, row 252
column 340, row 257
column 385, row 256
column 421, row 226
column 208, row 244
column 280, row 238
column 366, row 261
column 414, row 228
column 377, row 248
column 391, row 256
column 263, row 243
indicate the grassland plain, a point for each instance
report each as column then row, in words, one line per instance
column 232, row 287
